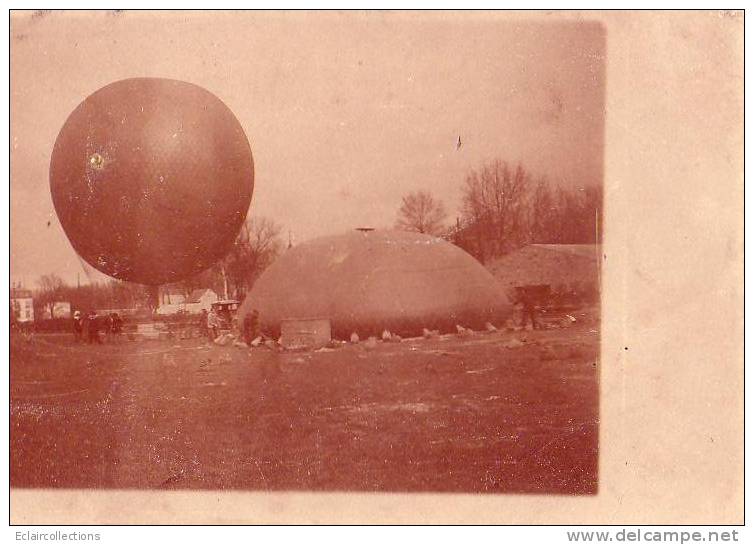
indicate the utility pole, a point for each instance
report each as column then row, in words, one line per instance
column 225, row 280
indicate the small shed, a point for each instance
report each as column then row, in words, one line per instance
column 305, row 332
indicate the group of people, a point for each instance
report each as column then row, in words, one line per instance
column 87, row 328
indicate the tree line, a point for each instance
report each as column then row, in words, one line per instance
column 110, row 294
column 503, row 207
column 258, row 243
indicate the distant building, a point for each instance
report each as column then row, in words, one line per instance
column 172, row 296
column 22, row 305
column 198, row 300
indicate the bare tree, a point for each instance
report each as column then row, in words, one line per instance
column 51, row 291
column 579, row 211
column 256, row 247
column 126, row 294
column 495, row 208
column 422, row 213
column 502, row 209
column 108, row 294
column 544, row 215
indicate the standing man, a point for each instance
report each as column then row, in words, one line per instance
column 527, row 298
column 530, row 311
column 213, row 322
column 203, row 325
column 107, row 327
column 78, row 327
column 251, row 326
column 116, row 326
column 93, row 328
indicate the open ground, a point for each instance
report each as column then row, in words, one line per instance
column 475, row 413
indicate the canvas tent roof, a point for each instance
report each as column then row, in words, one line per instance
column 370, row 281
column 554, row 264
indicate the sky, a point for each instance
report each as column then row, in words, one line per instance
column 345, row 112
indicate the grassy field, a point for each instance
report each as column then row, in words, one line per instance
column 455, row 414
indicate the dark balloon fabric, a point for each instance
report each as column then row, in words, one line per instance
column 151, row 179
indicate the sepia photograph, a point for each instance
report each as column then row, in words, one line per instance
column 321, row 252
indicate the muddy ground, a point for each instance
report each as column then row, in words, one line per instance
column 460, row 414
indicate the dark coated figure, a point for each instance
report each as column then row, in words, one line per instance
column 92, row 327
column 78, row 327
column 115, row 326
column 251, row 326
column 529, row 312
column 530, row 297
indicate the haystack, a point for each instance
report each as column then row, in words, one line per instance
column 570, row 266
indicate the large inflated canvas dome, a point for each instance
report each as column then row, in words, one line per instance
column 365, row 282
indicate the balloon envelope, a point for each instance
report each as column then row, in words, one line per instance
column 371, row 281
column 151, row 179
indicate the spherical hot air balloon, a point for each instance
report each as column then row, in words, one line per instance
column 151, row 179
